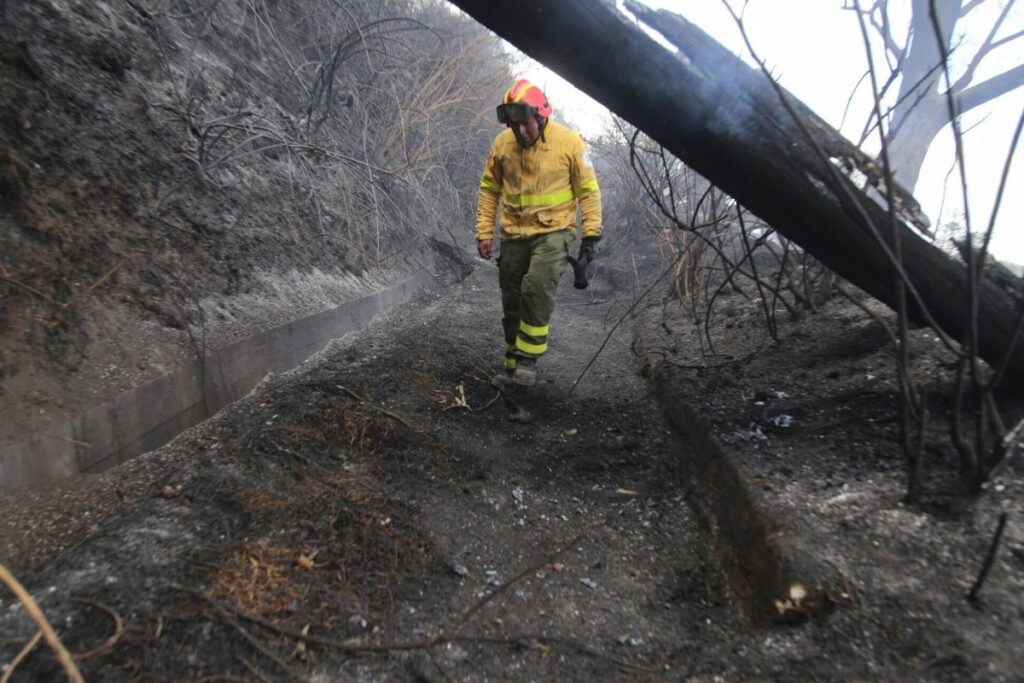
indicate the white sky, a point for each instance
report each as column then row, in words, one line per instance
column 815, row 49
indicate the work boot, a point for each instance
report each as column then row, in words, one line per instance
column 510, row 363
column 525, row 373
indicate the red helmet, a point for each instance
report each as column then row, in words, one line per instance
column 521, row 100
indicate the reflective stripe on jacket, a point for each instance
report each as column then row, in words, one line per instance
column 538, row 186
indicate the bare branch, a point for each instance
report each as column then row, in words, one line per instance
column 966, row 9
column 12, row 583
column 986, row 91
column 1006, row 39
column 983, row 51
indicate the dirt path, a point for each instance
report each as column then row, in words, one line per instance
column 638, row 584
column 559, row 550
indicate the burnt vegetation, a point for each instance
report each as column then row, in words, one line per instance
column 206, row 142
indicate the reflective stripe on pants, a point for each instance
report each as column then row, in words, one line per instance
column 529, row 271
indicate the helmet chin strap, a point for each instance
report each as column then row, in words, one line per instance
column 542, row 123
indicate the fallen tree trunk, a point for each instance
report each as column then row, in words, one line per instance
column 726, row 121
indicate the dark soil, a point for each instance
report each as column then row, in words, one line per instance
column 375, row 515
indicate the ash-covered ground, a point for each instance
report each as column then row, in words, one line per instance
column 374, row 515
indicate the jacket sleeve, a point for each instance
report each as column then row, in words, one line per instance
column 487, row 200
column 584, row 187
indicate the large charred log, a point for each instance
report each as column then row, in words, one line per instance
column 727, row 121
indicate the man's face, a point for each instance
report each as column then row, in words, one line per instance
column 526, row 130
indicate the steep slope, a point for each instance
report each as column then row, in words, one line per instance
column 176, row 176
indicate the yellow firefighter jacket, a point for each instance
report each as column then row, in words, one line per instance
column 538, row 186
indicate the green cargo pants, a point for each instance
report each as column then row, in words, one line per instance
column 528, row 272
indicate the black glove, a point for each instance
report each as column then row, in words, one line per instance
column 588, row 249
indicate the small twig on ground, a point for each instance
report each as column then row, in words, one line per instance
column 226, row 618
column 101, row 279
column 112, row 640
column 466, row 406
column 488, row 404
column 31, row 290
column 380, row 410
column 254, row 670
column 990, row 557
column 44, row 626
column 9, row 671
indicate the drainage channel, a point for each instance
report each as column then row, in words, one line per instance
column 771, row 579
column 152, row 414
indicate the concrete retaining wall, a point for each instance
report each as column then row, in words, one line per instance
column 150, row 415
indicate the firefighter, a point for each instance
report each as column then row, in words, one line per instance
column 539, row 171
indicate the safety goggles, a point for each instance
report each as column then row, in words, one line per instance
column 515, row 112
